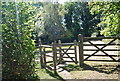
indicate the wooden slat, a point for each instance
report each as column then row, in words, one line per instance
column 67, row 57
column 68, row 61
column 103, row 49
column 49, row 56
column 49, row 61
column 64, row 53
column 65, row 44
column 102, row 60
column 90, row 49
column 99, row 44
column 111, row 50
column 100, row 55
column 66, row 49
column 47, row 46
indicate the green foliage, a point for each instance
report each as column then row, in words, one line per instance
column 79, row 20
column 65, row 21
column 18, row 47
column 51, row 21
column 109, row 16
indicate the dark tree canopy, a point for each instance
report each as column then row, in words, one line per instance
column 79, row 20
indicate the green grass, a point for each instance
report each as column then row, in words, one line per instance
column 42, row 73
column 72, row 67
column 46, row 74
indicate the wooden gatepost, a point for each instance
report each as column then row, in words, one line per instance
column 75, row 51
column 60, row 51
column 80, row 46
column 54, row 56
column 41, row 56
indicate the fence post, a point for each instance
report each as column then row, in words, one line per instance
column 54, row 56
column 60, row 51
column 41, row 56
column 44, row 56
column 80, row 45
column 119, row 53
column 75, row 47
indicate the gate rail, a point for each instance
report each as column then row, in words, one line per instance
column 82, row 39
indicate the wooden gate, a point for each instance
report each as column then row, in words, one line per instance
column 59, row 52
column 66, row 51
column 81, row 44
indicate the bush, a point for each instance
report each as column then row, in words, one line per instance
column 18, row 47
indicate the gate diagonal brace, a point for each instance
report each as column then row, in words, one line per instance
column 65, row 52
column 101, row 49
column 62, row 54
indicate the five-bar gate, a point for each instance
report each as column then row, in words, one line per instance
column 59, row 53
column 99, row 48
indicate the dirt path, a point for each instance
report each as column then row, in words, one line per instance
column 91, row 70
column 97, row 70
column 93, row 75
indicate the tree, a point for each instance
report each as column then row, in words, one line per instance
column 79, row 20
column 109, row 16
column 18, row 47
column 51, row 21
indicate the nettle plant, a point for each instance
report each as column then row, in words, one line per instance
column 18, row 47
